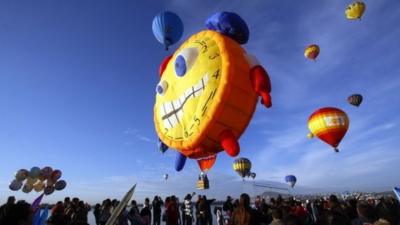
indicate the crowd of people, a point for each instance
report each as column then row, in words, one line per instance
column 170, row 211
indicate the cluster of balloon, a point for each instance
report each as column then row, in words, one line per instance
column 329, row 124
column 45, row 179
column 290, row 180
column 242, row 166
column 167, row 28
column 208, row 89
column 355, row 99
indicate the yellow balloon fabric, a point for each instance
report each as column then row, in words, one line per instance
column 355, row 10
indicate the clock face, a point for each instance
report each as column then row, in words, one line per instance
column 185, row 94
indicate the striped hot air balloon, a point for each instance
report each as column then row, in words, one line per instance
column 355, row 99
column 355, row 10
column 312, row 52
column 329, row 124
column 242, row 166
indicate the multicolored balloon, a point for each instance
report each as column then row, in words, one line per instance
column 48, row 190
column 55, row 175
column 22, row 174
column 329, row 124
column 312, row 52
column 46, row 172
column 355, row 99
column 242, row 166
column 60, row 185
column 39, row 186
column 291, row 180
column 355, row 10
column 34, row 173
column 167, row 28
column 27, row 188
column 15, row 185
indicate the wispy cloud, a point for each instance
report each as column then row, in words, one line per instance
column 137, row 136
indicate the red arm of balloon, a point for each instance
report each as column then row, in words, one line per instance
column 261, row 84
column 164, row 64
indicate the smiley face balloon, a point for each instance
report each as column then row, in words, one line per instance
column 208, row 91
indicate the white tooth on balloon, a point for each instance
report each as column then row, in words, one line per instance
column 180, row 114
column 198, row 87
column 173, row 120
column 177, row 104
column 168, row 107
column 161, row 110
column 205, row 79
column 188, row 92
column 182, row 99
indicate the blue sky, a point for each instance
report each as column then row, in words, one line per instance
column 77, row 88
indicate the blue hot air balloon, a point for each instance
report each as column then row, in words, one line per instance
column 180, row 161
column 291, row 180
column 229, row 24
column 167, row 28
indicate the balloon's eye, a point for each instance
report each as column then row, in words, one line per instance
column 180, row 66
column 162, row 87
column 185, row 60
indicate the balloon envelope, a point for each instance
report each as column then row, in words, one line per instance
column 355, row 10
column 15, row 185
column 180, row 161
column 39, row 186
column 242, row 166
column 35, row 172
column 46, row 172
column 21, row 174
column 329, row 124
column 291, row 180
column 31, row 181
column 229, row 24
column 60, row 185
column 355, row 99
column 48, row 190
column 312, row 51
column 27, row 188
column 55, row 175
column 167, row 28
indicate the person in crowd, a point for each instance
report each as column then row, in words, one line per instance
column 96, row 213
column 244, row 214
column 4, row 209
column 57, row 215
column 105, row 212
column 172, row 212
column 187, row 210
column 18, row 214
column 145, row 213
column 134, row 215
column 365, row 214
column 156, row 205
column 277, row 218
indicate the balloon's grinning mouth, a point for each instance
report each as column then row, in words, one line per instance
column 172, row 112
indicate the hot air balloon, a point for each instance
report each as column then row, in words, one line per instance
column 208, row 92
column 165, row 176
column 355, row 99
column 242, row 166
column 60, row 185
column 167, row 28
column 328, row 124
column 15, row 185
column 355, row 10
column 312, row 52
column 291, row 180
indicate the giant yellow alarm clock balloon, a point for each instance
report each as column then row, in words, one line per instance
column 208, row 91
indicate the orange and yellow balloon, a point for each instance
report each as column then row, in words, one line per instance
column 312, row 52
column 329, row 124
column 355, row 10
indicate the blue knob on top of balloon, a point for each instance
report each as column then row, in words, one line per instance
column 167, row 28
column 229, row 24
